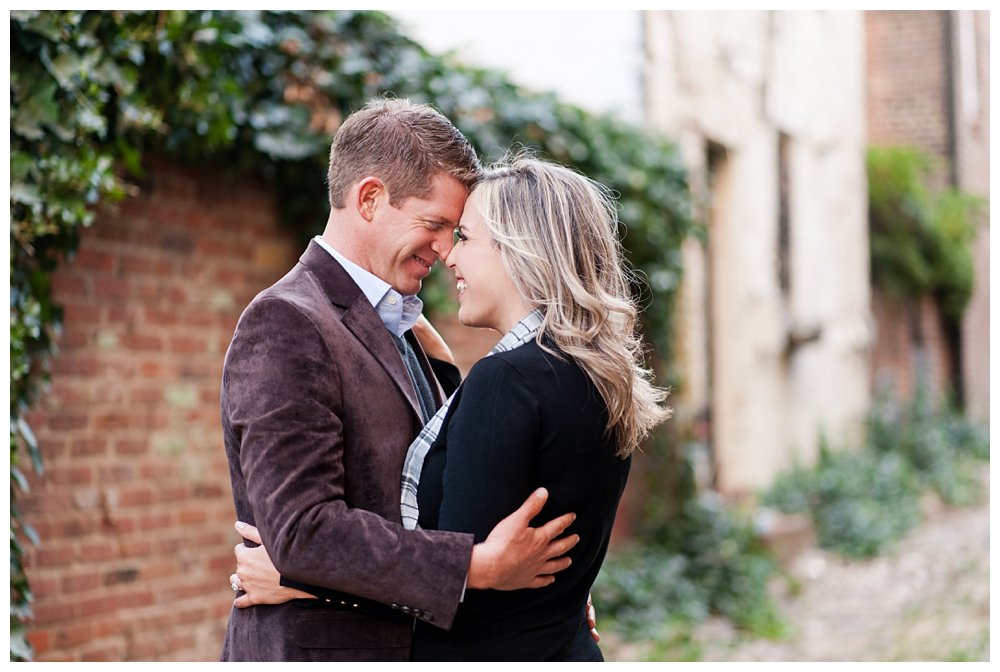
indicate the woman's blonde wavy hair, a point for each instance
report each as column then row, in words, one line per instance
column 557, row 235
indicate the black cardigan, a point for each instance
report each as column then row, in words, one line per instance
column 522, row 419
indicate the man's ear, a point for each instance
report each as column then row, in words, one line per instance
column 371, row 193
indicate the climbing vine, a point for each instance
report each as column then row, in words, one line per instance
column 921, row 237
column 92, row 92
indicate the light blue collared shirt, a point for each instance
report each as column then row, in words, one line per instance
column 399, row 313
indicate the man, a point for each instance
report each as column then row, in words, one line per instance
column 323, row 389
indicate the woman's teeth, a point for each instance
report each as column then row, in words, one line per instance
column 460, row 286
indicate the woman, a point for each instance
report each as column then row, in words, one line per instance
column 561, row 402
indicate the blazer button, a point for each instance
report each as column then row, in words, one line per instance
column 395, row 606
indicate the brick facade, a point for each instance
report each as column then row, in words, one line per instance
column 134, row 510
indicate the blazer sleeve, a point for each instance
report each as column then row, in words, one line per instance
column 492, row 437
column 281, row 393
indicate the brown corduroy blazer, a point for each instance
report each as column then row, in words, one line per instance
column 317, row 413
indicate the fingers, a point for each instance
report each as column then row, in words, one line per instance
column 554, row 566
column 242, row 602
column 556, row 526
column 532, row 507
column 562, row 546
column 248, row 531
column 541, row 581
column 592, row 619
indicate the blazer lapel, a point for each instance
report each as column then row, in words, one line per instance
column 360, row 318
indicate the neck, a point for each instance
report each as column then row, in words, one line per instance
column 512, row 315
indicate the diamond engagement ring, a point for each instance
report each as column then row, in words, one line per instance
column 234, row 585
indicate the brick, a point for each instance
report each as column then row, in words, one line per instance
column 69, row 475
column 186, row 345
column 156, row 470
column 110, row 288
column 131, row 447
column 163, row 318
column 118, row 314
column 94, row 260
column 156, row 522
column 70, row 284
column 75, row 583
column 116, row 473
column 136, row 548
column 48, row 613
column 66, row 420
column 193, row 516
column 43, row 587
column 92, row 607
column 88, row 447
column 71, row 364
column 108, row 627
column 143, row 342
column 141, row 496
column 98, row 552
column 131, row 599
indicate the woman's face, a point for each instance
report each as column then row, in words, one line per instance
column 487, row 296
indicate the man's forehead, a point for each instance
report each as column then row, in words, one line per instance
column 446, row 200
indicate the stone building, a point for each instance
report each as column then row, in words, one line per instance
column 774, row 330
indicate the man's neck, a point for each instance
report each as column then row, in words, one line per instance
column 341, row 236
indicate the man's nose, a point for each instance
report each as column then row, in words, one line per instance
column 443, row 243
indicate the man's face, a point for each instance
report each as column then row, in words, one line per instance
column 406, row 241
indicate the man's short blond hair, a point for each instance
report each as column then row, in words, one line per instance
column 402, row 143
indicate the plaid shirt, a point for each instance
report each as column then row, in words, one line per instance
column 521, row 333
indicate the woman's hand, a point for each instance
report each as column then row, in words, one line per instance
column 256, row 575
column 431, row 341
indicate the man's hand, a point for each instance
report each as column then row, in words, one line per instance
column 256, row 575
column 516, row 555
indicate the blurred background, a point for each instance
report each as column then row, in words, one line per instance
column 803, row 196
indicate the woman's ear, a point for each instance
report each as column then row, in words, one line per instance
column 370, row 193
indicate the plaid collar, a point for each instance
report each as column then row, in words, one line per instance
column 521, row 333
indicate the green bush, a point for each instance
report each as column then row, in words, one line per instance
column 862, row 502
column 921, row 238
column 706, row 560
column 941, row 445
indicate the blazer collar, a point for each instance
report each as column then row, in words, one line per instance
column 360, row 318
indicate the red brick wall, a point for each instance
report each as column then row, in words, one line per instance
column 134, row 510
column 907, row 79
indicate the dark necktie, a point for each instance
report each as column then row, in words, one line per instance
column 425, row 396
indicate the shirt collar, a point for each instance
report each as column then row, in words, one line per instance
column 399, row 313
